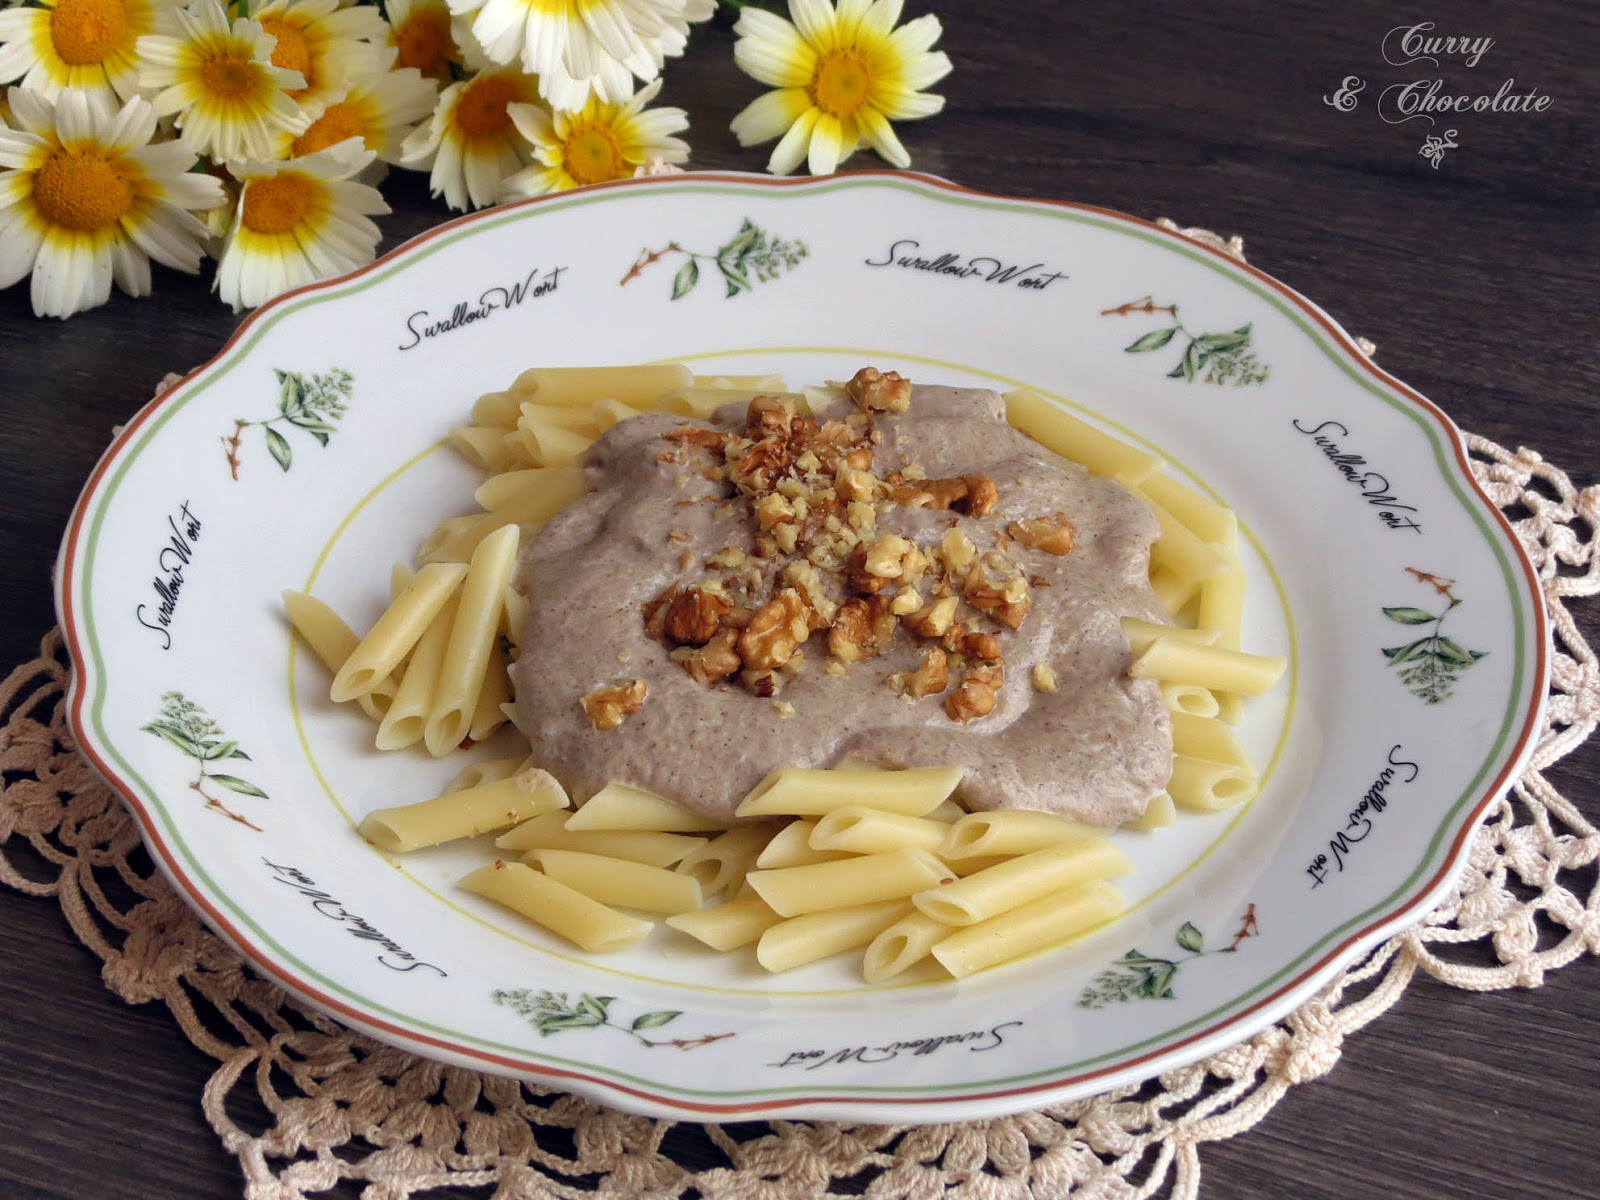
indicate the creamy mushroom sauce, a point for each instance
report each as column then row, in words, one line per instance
column 1096, row 749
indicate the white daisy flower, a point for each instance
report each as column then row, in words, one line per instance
column 421, row 31
column 470, row 145
column 297, row 222
column 578, row 46
column 381, row 108
column 87, row 45
column 86, row 200
column 842, row 75
column 596, row 144
column 219, row 80
column 328, row 45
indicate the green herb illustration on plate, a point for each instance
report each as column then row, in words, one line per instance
column 1140, row 976
column 1219, row 358
column 749, row 257
column 554, row 1012
column 188, row 727
column 311, row 404
column 1430, row 665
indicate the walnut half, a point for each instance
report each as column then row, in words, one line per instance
column 875, row 391
column 607, row 707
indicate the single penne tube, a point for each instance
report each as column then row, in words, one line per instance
column 332, row 641
column 608, row 412
column 456, row 538
column 620, row 882
column 1205, row 518
column 1141, row 633
column 971, row 866
column 519, row 456
column 587, row 923
column 818, row 935
column 514, row 615
column 1158, row 814
column 1191, row 699
column 1230, row 707
column 474, row 810
column 538, row 492
column 1200, row 786
column 472, row 637
column 549, row 445
column 1181, row 552
column 864, row 879
column 1175, row 591
column 808, row 792
column 397, row 630
column 868, row 831
column 490, row 711
column 1010, row 884
column 1058, row 430
column 727, row 926
column 497, row 408
column 1011, row 831
column 486, row 771
column 948, row 811
column 1215, row 667
column 791, row 847
column 483, row 446
column 756, row 384
column 578, row 420
column 407, row 719
column 726, row 859
column 618, row 806
column 1222, row 606
column 400, row 575
column 548, row 831
column 704, row 402
column 577, row 387
column 1207, row 738
column 901, row 946
column 1044, row 922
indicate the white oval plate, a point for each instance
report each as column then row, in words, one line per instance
column 1408, row 612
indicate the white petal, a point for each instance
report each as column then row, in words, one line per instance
column 816, row 22
column 130, row 269
column 881, row 137
column 899, row 105
column 769, row 116
column 791, row 151
column 19, row 248
column 827, row 146
column 771, row 51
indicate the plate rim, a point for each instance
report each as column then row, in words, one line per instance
column 1237, row 1026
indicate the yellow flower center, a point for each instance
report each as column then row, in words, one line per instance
column 424, row 42
column 292, row 53
column 279, row 204
column 339, row 122
column 591, row 154
column 841, row 84
column 85, row 32
column 83, row 190
column 481, row 111
column 228, row 75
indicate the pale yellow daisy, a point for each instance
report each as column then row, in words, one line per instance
column 421, row 33
column 381, row 107
column 297, row 222
column 842, row 75
column 328, row 45
column 86, row 200
column 470, row 145
column 579, row 46
column 88, row 45
column 219, row 80
column 598, row 143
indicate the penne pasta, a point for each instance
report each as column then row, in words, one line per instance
column 1206, row 519
column 806, row 792
column 472, row 635
column 864, row 879
column 762, row 384
column 332, row 641
column 576, row 387
column 586, row 923
column 738, row 922
column 531, row 494
column 497, row 409
column 549, row 445
column 620, row 882
column 869, row 831
column 1141, row 633
column 578, row 420
column 487, row 771
column 397, row 630
column 549, row 831
column 722, row 861
column 1044, row 922
column 1158, row 814
column 1179, row 551
column 493, row 699
column 1200, row 786
column 1014, row 883
column 475, row 810
column 791, row 847
column 1009, row 832
column 608, row 412
column 618, row 806
column 1214, row 667
column 817, row 935
column 704, row 402
column 1190, row 698
column 1207, row 738
column 1057, row 430
column 902, row 946
column 483, row 446
column 407, row 719
column 513, row 615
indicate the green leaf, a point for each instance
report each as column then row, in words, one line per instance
column 653, row 1020
column 311, row 424
column 683, row 282
column 741, row 243
column 243, row 786
column 215, row 750
column 322, row 438
column 1244, row 329
column 237, row 753
column 291, row 391
column 737, row 281
column 1160, row 984
column 1223, row 342
column 1191, row 361
column 278, row 446
column 1400, row 654
column 1454, row 652
column 1190, row 938
column 175, row 736
column 1410, row 616
column 595, row 1005
column 1152, row 341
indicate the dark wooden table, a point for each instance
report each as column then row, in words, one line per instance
column 1476, row 279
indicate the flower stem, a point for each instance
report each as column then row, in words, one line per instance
column 231, row 446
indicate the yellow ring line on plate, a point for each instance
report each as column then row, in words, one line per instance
column 590, row 962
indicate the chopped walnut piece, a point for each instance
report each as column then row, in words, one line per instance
column 858, row 577
column 655, row 612
column 982, row 646
column 1053, row 535
column 884, row 557
column 976, row 695
column 1044, row 676
column 607, row 707
column 714, row 661
column 759, row 683
column 850, row 637
column 933, row 620
column 981, row 497
column 932, row 677
column 875, row 391
column 767, row 415
column 906, row 601
column 709, row 439
column 773, row 633
column 694, row 616
column 957, row 551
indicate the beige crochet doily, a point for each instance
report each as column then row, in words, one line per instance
column 338, row 1106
